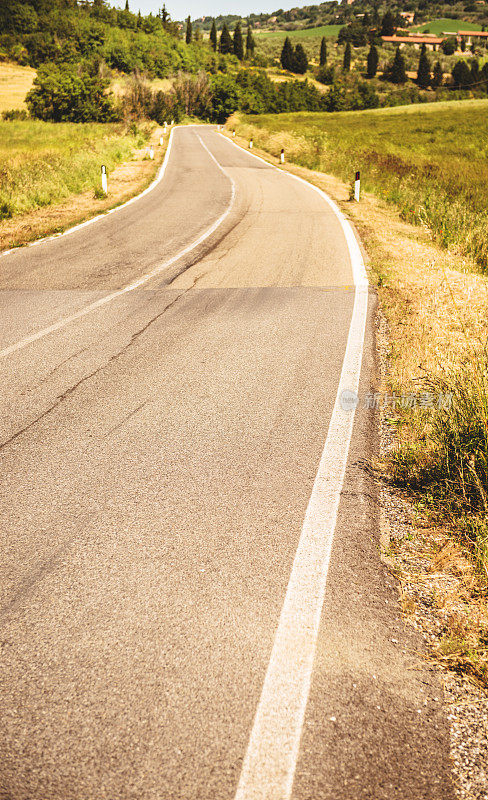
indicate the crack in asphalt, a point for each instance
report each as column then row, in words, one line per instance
column 68, row 392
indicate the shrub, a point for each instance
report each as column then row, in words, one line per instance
column 66, row 93
column 449, row 46
column 15, row 114
column 326, row 75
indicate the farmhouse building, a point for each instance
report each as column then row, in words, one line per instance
column 431, row 42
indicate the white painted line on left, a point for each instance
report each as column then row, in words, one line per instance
column 56, row 326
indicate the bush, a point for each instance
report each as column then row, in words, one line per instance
column 326, row 75
column 449, row 46
column 14, row 114
column 67, row 93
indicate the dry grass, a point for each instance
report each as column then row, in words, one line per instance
column 15, row 82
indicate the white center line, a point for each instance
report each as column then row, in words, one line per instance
column 61, row 323
column 270, row 761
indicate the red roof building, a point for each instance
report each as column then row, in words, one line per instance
column 431, row 42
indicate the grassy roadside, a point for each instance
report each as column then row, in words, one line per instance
column 428, row 160
column 51, row 174
column 434, row 300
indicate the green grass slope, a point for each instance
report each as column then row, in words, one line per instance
column 43, row 162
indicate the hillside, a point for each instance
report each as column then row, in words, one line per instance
column 37, row 31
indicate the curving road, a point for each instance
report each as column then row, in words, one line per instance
column 171, row 625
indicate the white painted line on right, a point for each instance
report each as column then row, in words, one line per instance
column 270, row 761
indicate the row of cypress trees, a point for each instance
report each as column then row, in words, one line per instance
column 294, row 59
column 227, row 44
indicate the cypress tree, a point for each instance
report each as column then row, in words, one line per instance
column 461, row 75
column 423, row 71
column 287, row 55
column 127, row 5
column 300, row 60
column 250, row 43
column 226, row 44
column 346, row 65
column 238, row 43
column 189, row 31
column 213, row 36
column 475, row 71
column 372, row 62
column 323, row 52
column 397, row 72
column 388, row 24
column 438, row 75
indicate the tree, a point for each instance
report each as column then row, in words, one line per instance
column 250, row 43
column 163, row 15
column 189, row 31
column 323, row 52
column 461, row 75
column 388, row 24
column 226, row 43
column 213, row 36
column 346, row 64
column 449, row 46
column 397, row 70
column 437, row 76
column 326, row 75
column 127, row 5
column 372, row 67
column 475, row 72
column 238, row 43
column 300, row 60
column 463, row 46
column 423, row 71
column 287, row 55
column 70, row 93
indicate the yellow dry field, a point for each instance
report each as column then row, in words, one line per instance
column 15, row 82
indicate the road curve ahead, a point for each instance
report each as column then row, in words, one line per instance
column 192, row 603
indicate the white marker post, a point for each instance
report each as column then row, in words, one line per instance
column 151, row 152
column 172, row 122
column 282, row 156
column 164, row 127
column 161, row 140
column 357, row 185
column 250, row 144
column 104, row 179
column 233, row 134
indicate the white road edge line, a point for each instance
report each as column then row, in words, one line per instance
column 103, row 214
column 270, row 761
column 61, row 323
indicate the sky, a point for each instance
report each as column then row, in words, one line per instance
column 179, row 9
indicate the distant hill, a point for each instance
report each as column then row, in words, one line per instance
column 334, row 13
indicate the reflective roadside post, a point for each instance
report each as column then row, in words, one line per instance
column 357, row 186
column 104, row 179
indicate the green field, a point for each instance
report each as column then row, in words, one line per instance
column 43, row 162
column 330, row 31
column 431, row 160
column 270, row 43
column 444, row 25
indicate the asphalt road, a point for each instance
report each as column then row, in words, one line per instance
column 158, row 454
